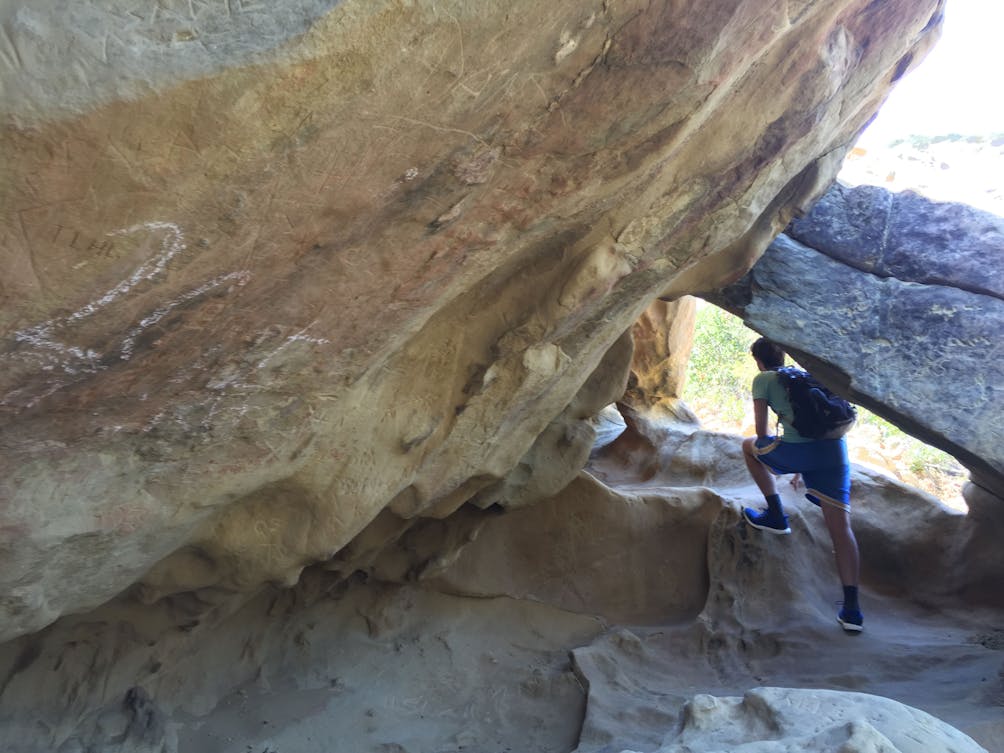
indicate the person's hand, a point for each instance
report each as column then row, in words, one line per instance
column 796, row 481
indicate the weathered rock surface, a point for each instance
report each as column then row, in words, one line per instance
column 663, row 337
column 474, row 650
column 573, row 552
column 784, row 720
column 938, row 555
column 279, row 274
column 895, row 235
column 897, row 301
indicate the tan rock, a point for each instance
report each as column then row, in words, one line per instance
column 270, row 270
column 460, row 632
column 575, row 550
column 778, row 720
column 663, row 336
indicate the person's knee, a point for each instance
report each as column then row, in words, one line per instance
column 838, row 522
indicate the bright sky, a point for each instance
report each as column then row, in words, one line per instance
column 957, row 88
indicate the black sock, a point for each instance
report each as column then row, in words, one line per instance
column 851, row 599
column 774, row 504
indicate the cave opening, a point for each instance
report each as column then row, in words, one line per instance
column 715, row 387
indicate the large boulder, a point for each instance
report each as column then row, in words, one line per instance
column 898, row 302
column 779, row 720
column 279, row 274
column 591, row 620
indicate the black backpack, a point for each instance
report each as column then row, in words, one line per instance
column 819, row 414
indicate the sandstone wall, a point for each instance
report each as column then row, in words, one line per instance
column 279, row 274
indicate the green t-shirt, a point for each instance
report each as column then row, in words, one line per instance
column 767, row 386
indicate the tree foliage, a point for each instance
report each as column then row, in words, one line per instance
column 721, row 367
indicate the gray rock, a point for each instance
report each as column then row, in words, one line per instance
column 907, row 236
column 898, row 305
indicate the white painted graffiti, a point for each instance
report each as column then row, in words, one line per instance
column 300, row 336
column 43, row 336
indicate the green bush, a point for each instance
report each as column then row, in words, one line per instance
column 721, row 368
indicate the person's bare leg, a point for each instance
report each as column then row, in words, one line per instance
column 845, row 546
column 764, row 478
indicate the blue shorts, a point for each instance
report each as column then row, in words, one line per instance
column 823, row 464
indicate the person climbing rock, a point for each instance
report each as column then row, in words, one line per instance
column 822, row 464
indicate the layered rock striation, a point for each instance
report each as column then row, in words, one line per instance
column 281, row 280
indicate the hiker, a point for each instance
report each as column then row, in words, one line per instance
column 822, row 464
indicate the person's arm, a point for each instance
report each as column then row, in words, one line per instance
column 760, row 418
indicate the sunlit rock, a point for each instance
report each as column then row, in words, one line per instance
column 663, row 337
column 777, row 720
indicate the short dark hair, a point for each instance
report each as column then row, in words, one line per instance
column 768, row 353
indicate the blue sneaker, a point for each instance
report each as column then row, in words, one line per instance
column 851, row 620
column 764, row 521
